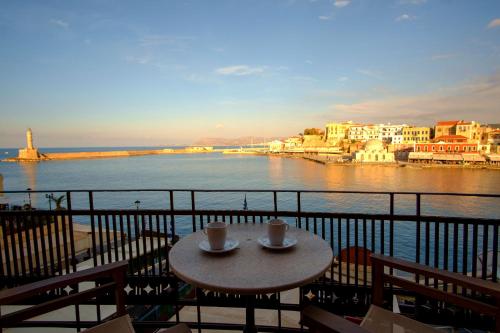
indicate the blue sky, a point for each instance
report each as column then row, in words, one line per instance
column 99, row 72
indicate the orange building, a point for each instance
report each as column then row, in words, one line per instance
column 443, row 128
column 448, row 144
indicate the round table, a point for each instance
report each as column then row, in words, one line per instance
column 251, row 269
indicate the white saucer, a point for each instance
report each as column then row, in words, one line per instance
column 230, row 245
column 288, row 242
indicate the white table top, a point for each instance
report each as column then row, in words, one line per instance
column 251, row 269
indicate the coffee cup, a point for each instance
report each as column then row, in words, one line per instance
column 216, row 233
column 276, row 230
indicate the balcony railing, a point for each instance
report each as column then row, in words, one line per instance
column 37, row 244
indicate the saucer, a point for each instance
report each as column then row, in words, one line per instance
column 230, row 245
column 288, row 242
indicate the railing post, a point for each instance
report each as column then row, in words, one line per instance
column 193, row 208
column 172, row 217
column 299, row 219
column 70, row 227
column 417, row 245
column 377, row 282
column 275, row 201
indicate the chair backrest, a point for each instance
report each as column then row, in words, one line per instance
column 381, row 264
column 115, row 271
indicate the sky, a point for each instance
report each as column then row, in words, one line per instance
column 120, row 73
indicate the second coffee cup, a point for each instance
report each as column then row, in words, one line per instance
column 216, row 233
column 276, row 230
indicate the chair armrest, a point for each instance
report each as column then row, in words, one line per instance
column 115, row 270
column 319, row 320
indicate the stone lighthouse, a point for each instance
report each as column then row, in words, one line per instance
column 29, row 139
column 30, row 153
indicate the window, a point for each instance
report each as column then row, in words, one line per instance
column 473, row 148
column 441, row 148
column 456, row 148
column 433, row 148
column 448, row 148
column 418, row 148
column 425, row 148
column 464, row 148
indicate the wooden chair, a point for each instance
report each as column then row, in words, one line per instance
column 116, row 271
column 379, row 320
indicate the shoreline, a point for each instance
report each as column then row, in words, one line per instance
column 397, row 164
column 67, row 156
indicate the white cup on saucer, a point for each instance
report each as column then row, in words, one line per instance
column 276, row 230
column 216, row 233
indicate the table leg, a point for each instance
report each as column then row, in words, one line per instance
column 250, row 314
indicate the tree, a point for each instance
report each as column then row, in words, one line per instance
column 58, row 201
column 313, row 131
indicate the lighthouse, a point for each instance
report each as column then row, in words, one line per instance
column 30, row 153
column 29, row 139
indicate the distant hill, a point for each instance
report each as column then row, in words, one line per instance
column 245, row 140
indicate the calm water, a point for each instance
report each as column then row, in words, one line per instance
column 218, row 171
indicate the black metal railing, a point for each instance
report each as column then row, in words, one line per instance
column 464, row 244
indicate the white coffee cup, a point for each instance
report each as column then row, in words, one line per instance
column 216, row 233
column 276, row 230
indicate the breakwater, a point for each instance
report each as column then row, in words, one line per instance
column 55, row 156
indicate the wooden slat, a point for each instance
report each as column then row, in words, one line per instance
column 438, row 294
column 33, row 311
column 13, row 295
column 485, row 287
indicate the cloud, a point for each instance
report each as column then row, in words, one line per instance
column 59, row 23
column 342, row 79
column 370, row 73
column 240, row 70
column 443, row 56
column 341, row 3
column 412, row 2
column 142, row 60
column 325, row 17
column 219, row 126
column 494, row 23
column 405, row 17
column 476, row 100
column 157, row 40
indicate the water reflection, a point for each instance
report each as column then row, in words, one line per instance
column 217, row 171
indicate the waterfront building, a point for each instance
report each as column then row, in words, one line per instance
column 391, row 133
column 359, row 132
column 293, row 142
column 448, row 127
column 313, row 141
column 469, row 129
column 374, row 152
column 276, row 146
column 335, row 133
column 448, row 144
column 413, row 134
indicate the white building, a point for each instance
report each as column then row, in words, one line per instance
column 391, row 133
column 363, row 132
column 276, row 146
column 374, row 152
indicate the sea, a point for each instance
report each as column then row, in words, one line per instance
column 217, row 171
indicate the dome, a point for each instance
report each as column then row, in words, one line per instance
column 374, row 144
